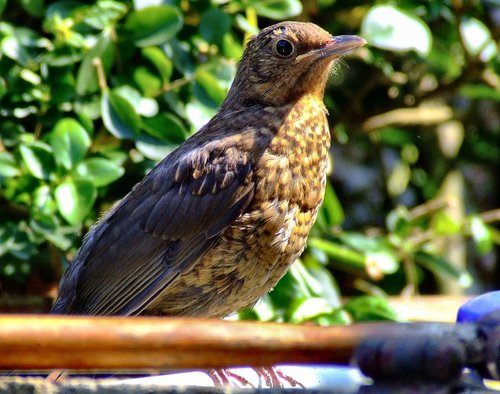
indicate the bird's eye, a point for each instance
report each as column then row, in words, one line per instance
column 283, row 48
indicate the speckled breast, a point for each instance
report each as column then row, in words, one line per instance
column 258, row 248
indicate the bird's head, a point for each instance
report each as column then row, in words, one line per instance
column 286, row 61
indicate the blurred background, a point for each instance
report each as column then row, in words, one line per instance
column 93, row 94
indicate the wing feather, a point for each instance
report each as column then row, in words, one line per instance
column 158, row 231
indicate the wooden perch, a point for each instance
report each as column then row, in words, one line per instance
column 38, row 342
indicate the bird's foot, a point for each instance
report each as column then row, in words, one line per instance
column 267, row 376
column 224, row 377
column 56, row 376
column 275, row 378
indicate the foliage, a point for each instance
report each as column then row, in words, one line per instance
column 93, row 94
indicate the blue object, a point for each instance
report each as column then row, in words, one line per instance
column 474, row 309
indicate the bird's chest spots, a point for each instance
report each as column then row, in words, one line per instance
column 293, row 168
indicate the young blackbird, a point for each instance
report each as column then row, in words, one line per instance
column 218, row 222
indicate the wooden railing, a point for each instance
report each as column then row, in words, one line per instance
column 35, row 342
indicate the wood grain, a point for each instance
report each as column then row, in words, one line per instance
column 70, row 342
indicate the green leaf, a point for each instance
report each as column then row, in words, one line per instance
column 104, row 14
column 70, row 142
column 338, row 317
column 370, row 308
column 481, row 235
column 8, row 166
column 277, row 9
column 199, row 113
column 161, row 62
column 477, row 39
column 153, row 25
column 444, row 224
column 38, row 159
column 142, row 105
column 263, row 310
column 153, row 148
column 75, row 199
column 381, row 262
column 342, row 256
column 389, row 27
column 42, row 201
column 119, row 116
column 304, row 309
column 52, row 230
column 214, row 24
column 99, row 171
column 443, row 268
column 149, row 83
column 397, row 221
column 210, row 85
column 331, row 208
column 12, row 48
column 231, row 47
column 394, row 136
column 166, row 127
column 104, row 49
column 480, row 92
column 33, row 7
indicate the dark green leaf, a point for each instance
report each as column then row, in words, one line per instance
column 395, row 137
column 370, row 308
column 52, row 230
column 75, row 199
column 12, row 48
column 149, row 83
column 442, row 267
column 161, row 62
column 332, row 209
column 165, row 127
column 153, row 25
column 38, row 159
column 119, row 116
column 210, row 85
column 342, row 256
column 480, row 92
column 397, row 221
column 214, row 24
column 33, row 7
column 70, row 142
column 99, row 171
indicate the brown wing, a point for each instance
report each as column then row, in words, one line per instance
column 157, row 232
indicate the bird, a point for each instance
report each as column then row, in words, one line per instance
column 219, row 221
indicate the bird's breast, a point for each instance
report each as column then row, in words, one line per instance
column 256, row 250
column 293, row 167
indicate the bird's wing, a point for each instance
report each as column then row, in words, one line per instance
column 161, row 229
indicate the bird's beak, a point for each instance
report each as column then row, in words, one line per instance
column 335, row 47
